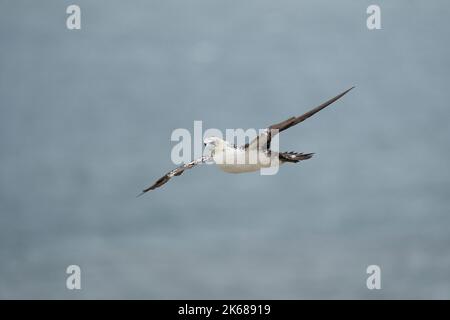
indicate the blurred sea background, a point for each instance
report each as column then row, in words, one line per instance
column 85, row 123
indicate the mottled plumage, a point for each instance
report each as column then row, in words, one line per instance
column 235, row 159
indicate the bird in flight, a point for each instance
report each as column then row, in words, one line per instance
column 250, row 157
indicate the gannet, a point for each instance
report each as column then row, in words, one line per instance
column 250, row 157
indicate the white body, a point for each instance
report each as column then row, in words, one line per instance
column 240, row 160
column 260, row 154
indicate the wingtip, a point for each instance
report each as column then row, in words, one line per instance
column 346, row 91
column 140, row 194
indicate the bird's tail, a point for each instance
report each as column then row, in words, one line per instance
column 294, row 156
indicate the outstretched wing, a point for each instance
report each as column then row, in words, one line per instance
column 175, row 172
column 263, row 140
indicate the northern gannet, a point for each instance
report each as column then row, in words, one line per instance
column 250, row 157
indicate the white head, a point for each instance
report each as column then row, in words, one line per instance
column 213, row 142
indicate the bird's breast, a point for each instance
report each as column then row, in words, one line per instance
column 240, row 160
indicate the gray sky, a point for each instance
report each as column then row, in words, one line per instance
column 85, row 123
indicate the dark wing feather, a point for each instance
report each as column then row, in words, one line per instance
column 263, row 140
column 175, row 172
